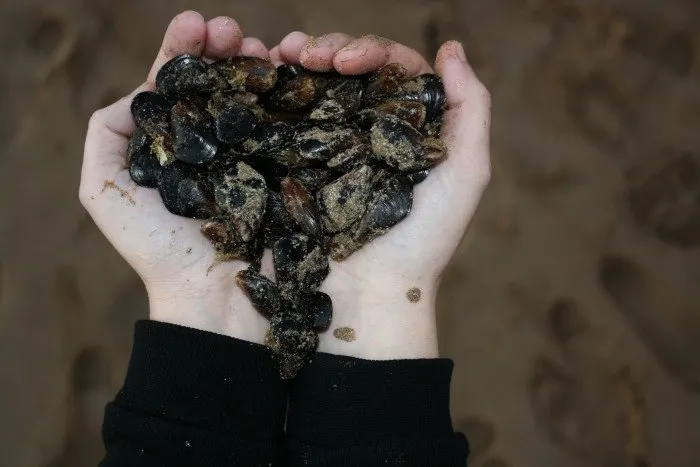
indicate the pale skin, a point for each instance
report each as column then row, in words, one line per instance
column 369, row 289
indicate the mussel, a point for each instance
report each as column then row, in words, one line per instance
column 185, row 192
column 234, row 121
column 262, row 292
column 241, row 193
column 187, row 74
column 398, row 144
column 343, row 201
column 143, row 165
column 250, row 73
column 301, row 206
column 194, row 141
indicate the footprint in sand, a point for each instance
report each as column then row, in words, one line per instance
column 671, row 330
column 667, row 202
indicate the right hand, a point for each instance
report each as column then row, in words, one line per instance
column 168, row 252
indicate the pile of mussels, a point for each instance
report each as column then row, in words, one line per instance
column 308, row 164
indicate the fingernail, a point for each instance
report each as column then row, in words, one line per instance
column 460, row 52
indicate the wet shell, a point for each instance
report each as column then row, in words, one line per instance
column 339, row 102
column 194, row 142
column 390, row 203
column 320, row 144
column 301, row 206
column 266, row 137
column 234, row 121
column 250, row 73
column 398, row 144
column 429, row 91
column 318, row 307
column 293, row 340
column 311, row 177
column 344, row 201
column 143, row 165
column 300, row 265
column 296, row 89
column 384, row 82
column 187, row 74
column 241, row 194
column 262, row 292
column 351, row 158
column 276, row 222
column 185, row 193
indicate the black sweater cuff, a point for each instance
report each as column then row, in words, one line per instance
column 352, row 407
column 196, row 398
column 203, row 379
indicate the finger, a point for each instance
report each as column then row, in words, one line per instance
column 275, row 56
column 371, row 52
column 290, row 47
column 317, row 53
column 467, row 121
column 254, row 47
column 106, row 142
column 224, row 38
column 186, row 34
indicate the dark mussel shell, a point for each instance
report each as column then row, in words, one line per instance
column 187, row 74
column 301, row 206
column 185, row 192
column 413, row 112
column 418, row 177
column 241, row 193
column 276, row 222
column 340, row 101
column 293, row 341
column 429, row 91
column 351, row 158
column 267, row 136
column 151, row 112
column 384, row 82
column 295, row 90
column 262, row 292
column 318, row 307
column 344, row 201
column 143, row 165
column 253, row 74
column 311, row 177
column 194, row 141
column 300, row 265
column 233, row 121
column 273, row 171
column 390, row 203
column 319, row 144
column 398, row 144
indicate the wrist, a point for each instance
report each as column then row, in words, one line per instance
column 216, row 306
column 388, row 319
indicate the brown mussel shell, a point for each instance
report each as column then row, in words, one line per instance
column 262, row 292
column 384, row 82
column 276, row 222
column 429, row 91
column 253, row 74
column 301, row 206
column 318, row 144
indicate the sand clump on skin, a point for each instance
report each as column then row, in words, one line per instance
column 345, row 334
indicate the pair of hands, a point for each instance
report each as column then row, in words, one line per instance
column 368, row 289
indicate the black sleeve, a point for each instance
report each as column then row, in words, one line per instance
column 350, row 412
column 196, row 398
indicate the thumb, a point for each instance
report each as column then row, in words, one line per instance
column 467, row 122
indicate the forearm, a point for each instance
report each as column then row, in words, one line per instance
column 195, row 398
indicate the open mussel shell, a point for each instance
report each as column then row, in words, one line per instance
column 301, row 206
column 262, row 292
column 234, row 121
column 241, row 194
column 193, row 139
column 187, row 74
column 185, row 192
column 396, row 143
column 253, row 74
column 301, row 265
column 143, row 165
column 343, row 201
